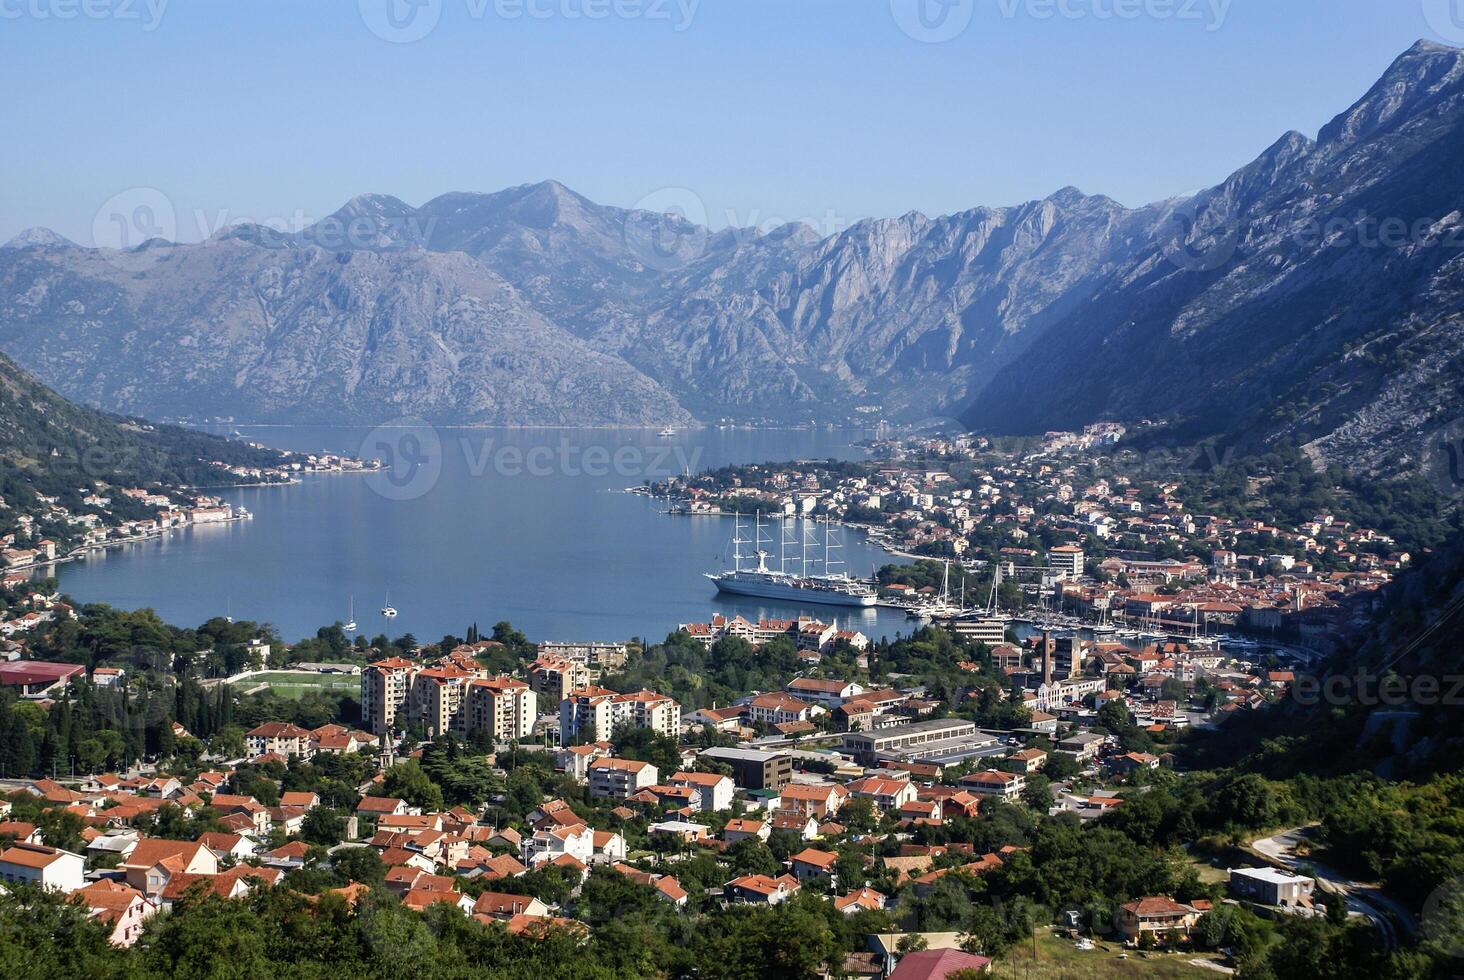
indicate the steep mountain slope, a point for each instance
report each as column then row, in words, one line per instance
column 51, row 446
column 909, row 313
column 232, row 328
column 1284, row 302
column 1317, row 293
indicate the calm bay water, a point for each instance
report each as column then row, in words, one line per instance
column 472, row 525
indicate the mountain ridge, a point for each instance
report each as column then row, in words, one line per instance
column 1046, row 314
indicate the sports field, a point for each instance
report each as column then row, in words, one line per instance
column 296, row 684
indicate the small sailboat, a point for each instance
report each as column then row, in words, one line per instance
column 350, row 626
column 228, row 610
column 388, row 610
column 668, row 432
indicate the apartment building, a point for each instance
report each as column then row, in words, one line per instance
column 385, row 687
column 439, row 695
column 554, row 677
column 1066, row 559
column 612, row 778
column 593, row 713
column 503, row 707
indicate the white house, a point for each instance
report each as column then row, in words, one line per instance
column 575, row 840
column 716, row 789
column 49, row 867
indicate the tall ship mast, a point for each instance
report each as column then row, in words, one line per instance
column 812, row 578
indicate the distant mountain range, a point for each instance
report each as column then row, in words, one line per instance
column 1284, row 302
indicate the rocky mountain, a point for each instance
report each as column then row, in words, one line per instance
column 1318, row 294
column 1281, row 302
column 235, row 327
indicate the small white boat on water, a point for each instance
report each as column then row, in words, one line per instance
column 350, row 626
column 388, row 610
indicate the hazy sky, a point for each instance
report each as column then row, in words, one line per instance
column 758, row 110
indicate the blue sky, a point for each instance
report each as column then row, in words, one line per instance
column 759, row 110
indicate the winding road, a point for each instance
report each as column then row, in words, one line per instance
column 1386, row 913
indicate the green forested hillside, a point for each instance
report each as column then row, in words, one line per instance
column 52, row 447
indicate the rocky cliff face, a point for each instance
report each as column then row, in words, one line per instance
column 1284, row 301
column 1317, row 294
column 232, row 328
column 535, row 305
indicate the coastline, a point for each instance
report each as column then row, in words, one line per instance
column 82, row 551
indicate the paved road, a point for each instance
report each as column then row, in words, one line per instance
column 1363, row 898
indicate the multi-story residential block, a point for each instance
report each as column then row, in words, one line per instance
column 587, row 714
column 885, row 794
column 502, row 707
column 439, row 695
column 1066, row 559
column 647, row 709
column 555, row 677
column 612, row 778
column 593, row 713
column 818, row 800
column 385, row 687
